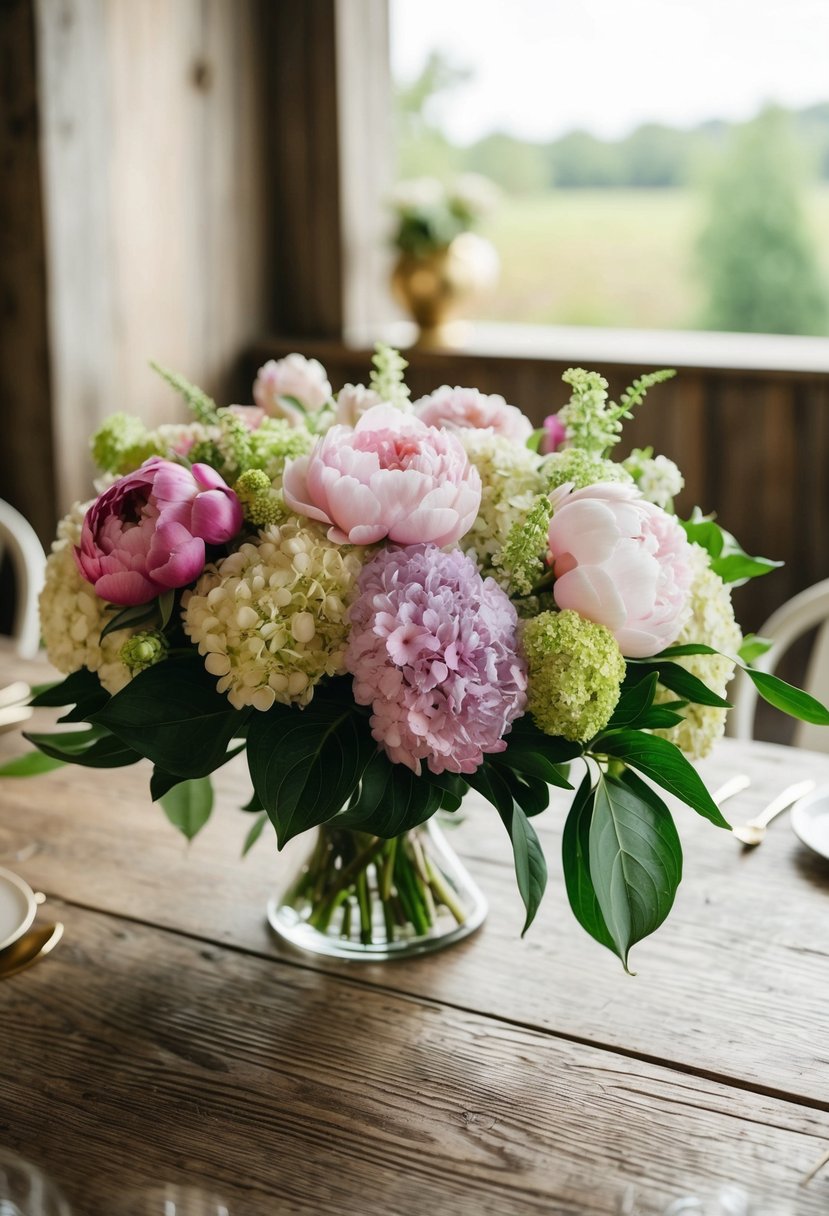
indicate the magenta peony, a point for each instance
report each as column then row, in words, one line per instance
column 291, row 387
column 554, row 435
column 147, row 532
column 433, row 651
column 391, row 476
column 621, row 562
column 467, row 407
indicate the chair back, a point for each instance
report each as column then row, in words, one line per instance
column 798, row 616
column 19, row 540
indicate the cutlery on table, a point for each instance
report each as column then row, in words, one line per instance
column 734, row 785
column 26, row 951
column 754, row 831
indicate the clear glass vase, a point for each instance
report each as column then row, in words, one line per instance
column 361, row 897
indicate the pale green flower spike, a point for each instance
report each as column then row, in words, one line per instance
column 143, row 650
column 575, row 674
column 581, row 468
column 119, row 442
column 522, row 557
column 233, row 441
column 203, row 407
column 261, row 503
column 592, row 422
column 387, row 376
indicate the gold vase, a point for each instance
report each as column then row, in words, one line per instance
column 436, row 288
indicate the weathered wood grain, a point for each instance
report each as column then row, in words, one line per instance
column 734, row 985
column 135, row 1056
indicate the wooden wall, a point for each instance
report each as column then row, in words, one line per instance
column 754, row 447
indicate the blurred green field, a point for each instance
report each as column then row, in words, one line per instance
column 616, row 258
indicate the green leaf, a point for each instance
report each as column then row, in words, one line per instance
column 664, row 763
column 675, row 652
column 391, row 799
column 635, row 861
column 789, row 699
column 166, row 604
column 30, row 765
column 253, row 806
column 524, row 756
column 739, row 567
column 188, row 805
column 530, row 865
column 526, row 738
column 531, row 793
column 575, row 857
column 254, row 833
column 93, row 748
column 753, row 648
column 172, row 714
column 534, row 441
column 688, row 686
column 161, row 782
column 128, row 618
column 82, row 689
column 728, row 559
column 634, row 702
column 305, row 765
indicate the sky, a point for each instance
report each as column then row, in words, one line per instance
column 543, row 67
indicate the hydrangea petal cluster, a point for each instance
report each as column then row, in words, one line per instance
column 147, row 532
column 72, row 615
column 621, row 562
column 433, row 651
column 511, row 481
column 711, row 623
column 270, row 619
column 467, row 407
column 280, row 383
column 391, row 476
column 575, row 674
column 122, row 443
column 658, row 478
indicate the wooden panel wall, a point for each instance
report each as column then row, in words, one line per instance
column 753, row 446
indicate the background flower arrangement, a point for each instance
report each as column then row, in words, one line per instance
column 388, row 603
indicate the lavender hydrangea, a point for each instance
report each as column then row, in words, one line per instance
column 433, row 651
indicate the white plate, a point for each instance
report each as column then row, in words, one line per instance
column 810, row 820
column 17, row 907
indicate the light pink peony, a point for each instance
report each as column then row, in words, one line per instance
column 281, row 383
column 146, row 533
column 621, row 562
column 353, row 400
column 391, row 476
column 467, row 407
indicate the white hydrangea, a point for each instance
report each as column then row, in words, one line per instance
column 511, row 481
column 72, row 615
column 711, row 623
column 658, row 478
column 270, row 618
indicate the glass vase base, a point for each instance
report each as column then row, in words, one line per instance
column 362, row 899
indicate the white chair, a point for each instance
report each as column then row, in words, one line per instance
column 19, row 539
column 800, row 614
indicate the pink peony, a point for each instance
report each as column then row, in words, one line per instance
column 391, row 476
column 353, row 400
column 621, row 562
column 433, row 651
column 467, row 407
column 291, row 387
column 252, row 415
column 554, row 435
column 147, row 532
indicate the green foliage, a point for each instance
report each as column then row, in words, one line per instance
column 203, row 407
column 30, row 765
column 756, row 255
column 188, row 805
column 728, row 559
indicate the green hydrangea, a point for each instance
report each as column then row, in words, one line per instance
column 117, row 442
column 274, row 443
column 582, row 469
column 575, row 674
column 262, row 504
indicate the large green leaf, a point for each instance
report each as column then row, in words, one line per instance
column 172, row 714
column 93, row 748
column 575, row 858
column 306, row 764
column 530, row 866
column 728, row 559
column 635, row 701
column 30, row 765
column 789, row 699
column 688, row 686
column 531, row 793
column 391, row 799
column 188, row 805
column 81, row 689
column 635, row 861
column 665, row 764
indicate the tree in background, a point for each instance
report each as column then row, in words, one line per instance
column 756, row 256
column 422, row 147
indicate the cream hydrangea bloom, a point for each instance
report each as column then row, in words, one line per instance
column 270, row 618
column 511, row 481
column 72, row 615
column 711, row 623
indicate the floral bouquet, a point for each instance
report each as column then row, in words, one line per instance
column 387, row 604
column 428, row 215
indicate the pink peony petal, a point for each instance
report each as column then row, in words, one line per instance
column 127, row 587
column 216, row 516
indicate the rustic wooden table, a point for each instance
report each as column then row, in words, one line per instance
column 171, row 1038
